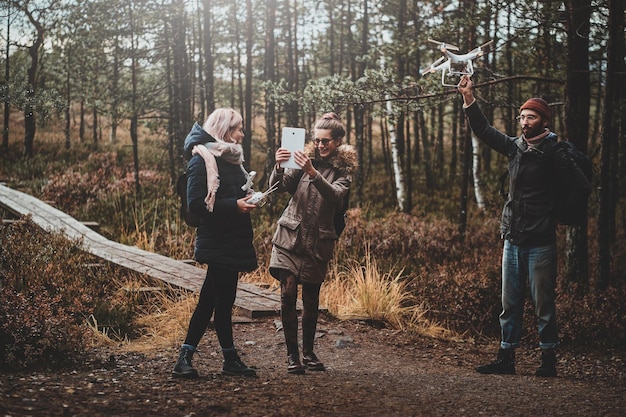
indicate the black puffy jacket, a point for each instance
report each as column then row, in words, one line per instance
column 224, row 236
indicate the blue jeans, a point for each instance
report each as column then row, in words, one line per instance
column 538, row 265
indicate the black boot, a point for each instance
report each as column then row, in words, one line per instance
column 504, row 364
column 548, row 364
column 233, row 365
column 183, row 367
column 312, row 363
column 294, row 366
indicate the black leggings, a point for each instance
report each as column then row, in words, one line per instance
column 217, row 295
column 289, row 315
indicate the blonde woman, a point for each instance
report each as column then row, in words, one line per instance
column 217, row 193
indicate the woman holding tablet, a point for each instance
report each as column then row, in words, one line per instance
column 304, row 240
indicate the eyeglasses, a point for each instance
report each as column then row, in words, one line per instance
column 324, row 142
column 530, row 118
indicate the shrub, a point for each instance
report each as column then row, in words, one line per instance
column 48, row 287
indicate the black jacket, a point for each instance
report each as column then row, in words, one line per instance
column 224, row 236
column 529, row 213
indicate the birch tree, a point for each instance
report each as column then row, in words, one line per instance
column 391, row 118
column 478, row 192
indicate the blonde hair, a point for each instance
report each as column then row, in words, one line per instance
column 221, row 122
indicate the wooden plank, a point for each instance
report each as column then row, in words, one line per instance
column 91, row 225
column 252, row 300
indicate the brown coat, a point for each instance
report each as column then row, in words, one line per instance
column 305, row 236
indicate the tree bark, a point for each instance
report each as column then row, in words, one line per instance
column 7, row 76
column 30, row 126
column 577, row 89
column 209, row 84
column 270, row 75
column 614, row 107
column 247, row 140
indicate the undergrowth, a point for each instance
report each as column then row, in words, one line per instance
column 49, row 287
column 414, row 272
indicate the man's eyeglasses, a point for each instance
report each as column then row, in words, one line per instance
column 324, row 142
column 530, row 118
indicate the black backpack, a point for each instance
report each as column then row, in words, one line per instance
column 567, row 213
column 181, row 189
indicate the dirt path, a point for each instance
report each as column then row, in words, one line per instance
column 371, row 372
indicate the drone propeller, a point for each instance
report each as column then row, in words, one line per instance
column 481, row 47
column 432, row 66
column 448, row 46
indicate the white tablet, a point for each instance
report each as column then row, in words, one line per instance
column 293, row 140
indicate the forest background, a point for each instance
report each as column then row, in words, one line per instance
column 99, row 95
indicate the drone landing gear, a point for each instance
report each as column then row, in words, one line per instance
column 447, row 76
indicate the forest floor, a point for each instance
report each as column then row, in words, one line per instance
column 370, row 372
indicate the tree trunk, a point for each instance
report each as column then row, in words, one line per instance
column 360, row 111
column 209, row 84
column 454, row 140
column 247, row 140
column 292, row 108
column 270, row 75
column 466, row 162
column 577, row 91
column 614, row 107
column 7, row 76
column 68, row 97
column 81, row 127
column 94, row 126
column 115, row 93
column 439, row 148
column 134, row 116
column 426, row 151
column 30, row 126
column 181, row 90
column 478, row 189
column 396, row 160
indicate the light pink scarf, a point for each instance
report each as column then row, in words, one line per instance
column 230, row 152
column 534, row 141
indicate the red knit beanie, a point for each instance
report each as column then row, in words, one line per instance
column 538, row 105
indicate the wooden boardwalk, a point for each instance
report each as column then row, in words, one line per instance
column 252, row 300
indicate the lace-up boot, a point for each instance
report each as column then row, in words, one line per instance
column 294, row 366
column 183, row 367
column 312, row 363
column 548, row 364
column 233, row 365
column 504, row 364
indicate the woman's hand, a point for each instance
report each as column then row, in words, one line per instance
column 304, row 162
column 243, row 206
column 282, row 155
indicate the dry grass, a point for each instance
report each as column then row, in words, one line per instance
column 363, row 291
column 166, row 326
column 354, row 291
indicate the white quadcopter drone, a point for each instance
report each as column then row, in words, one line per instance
column 455, row 65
